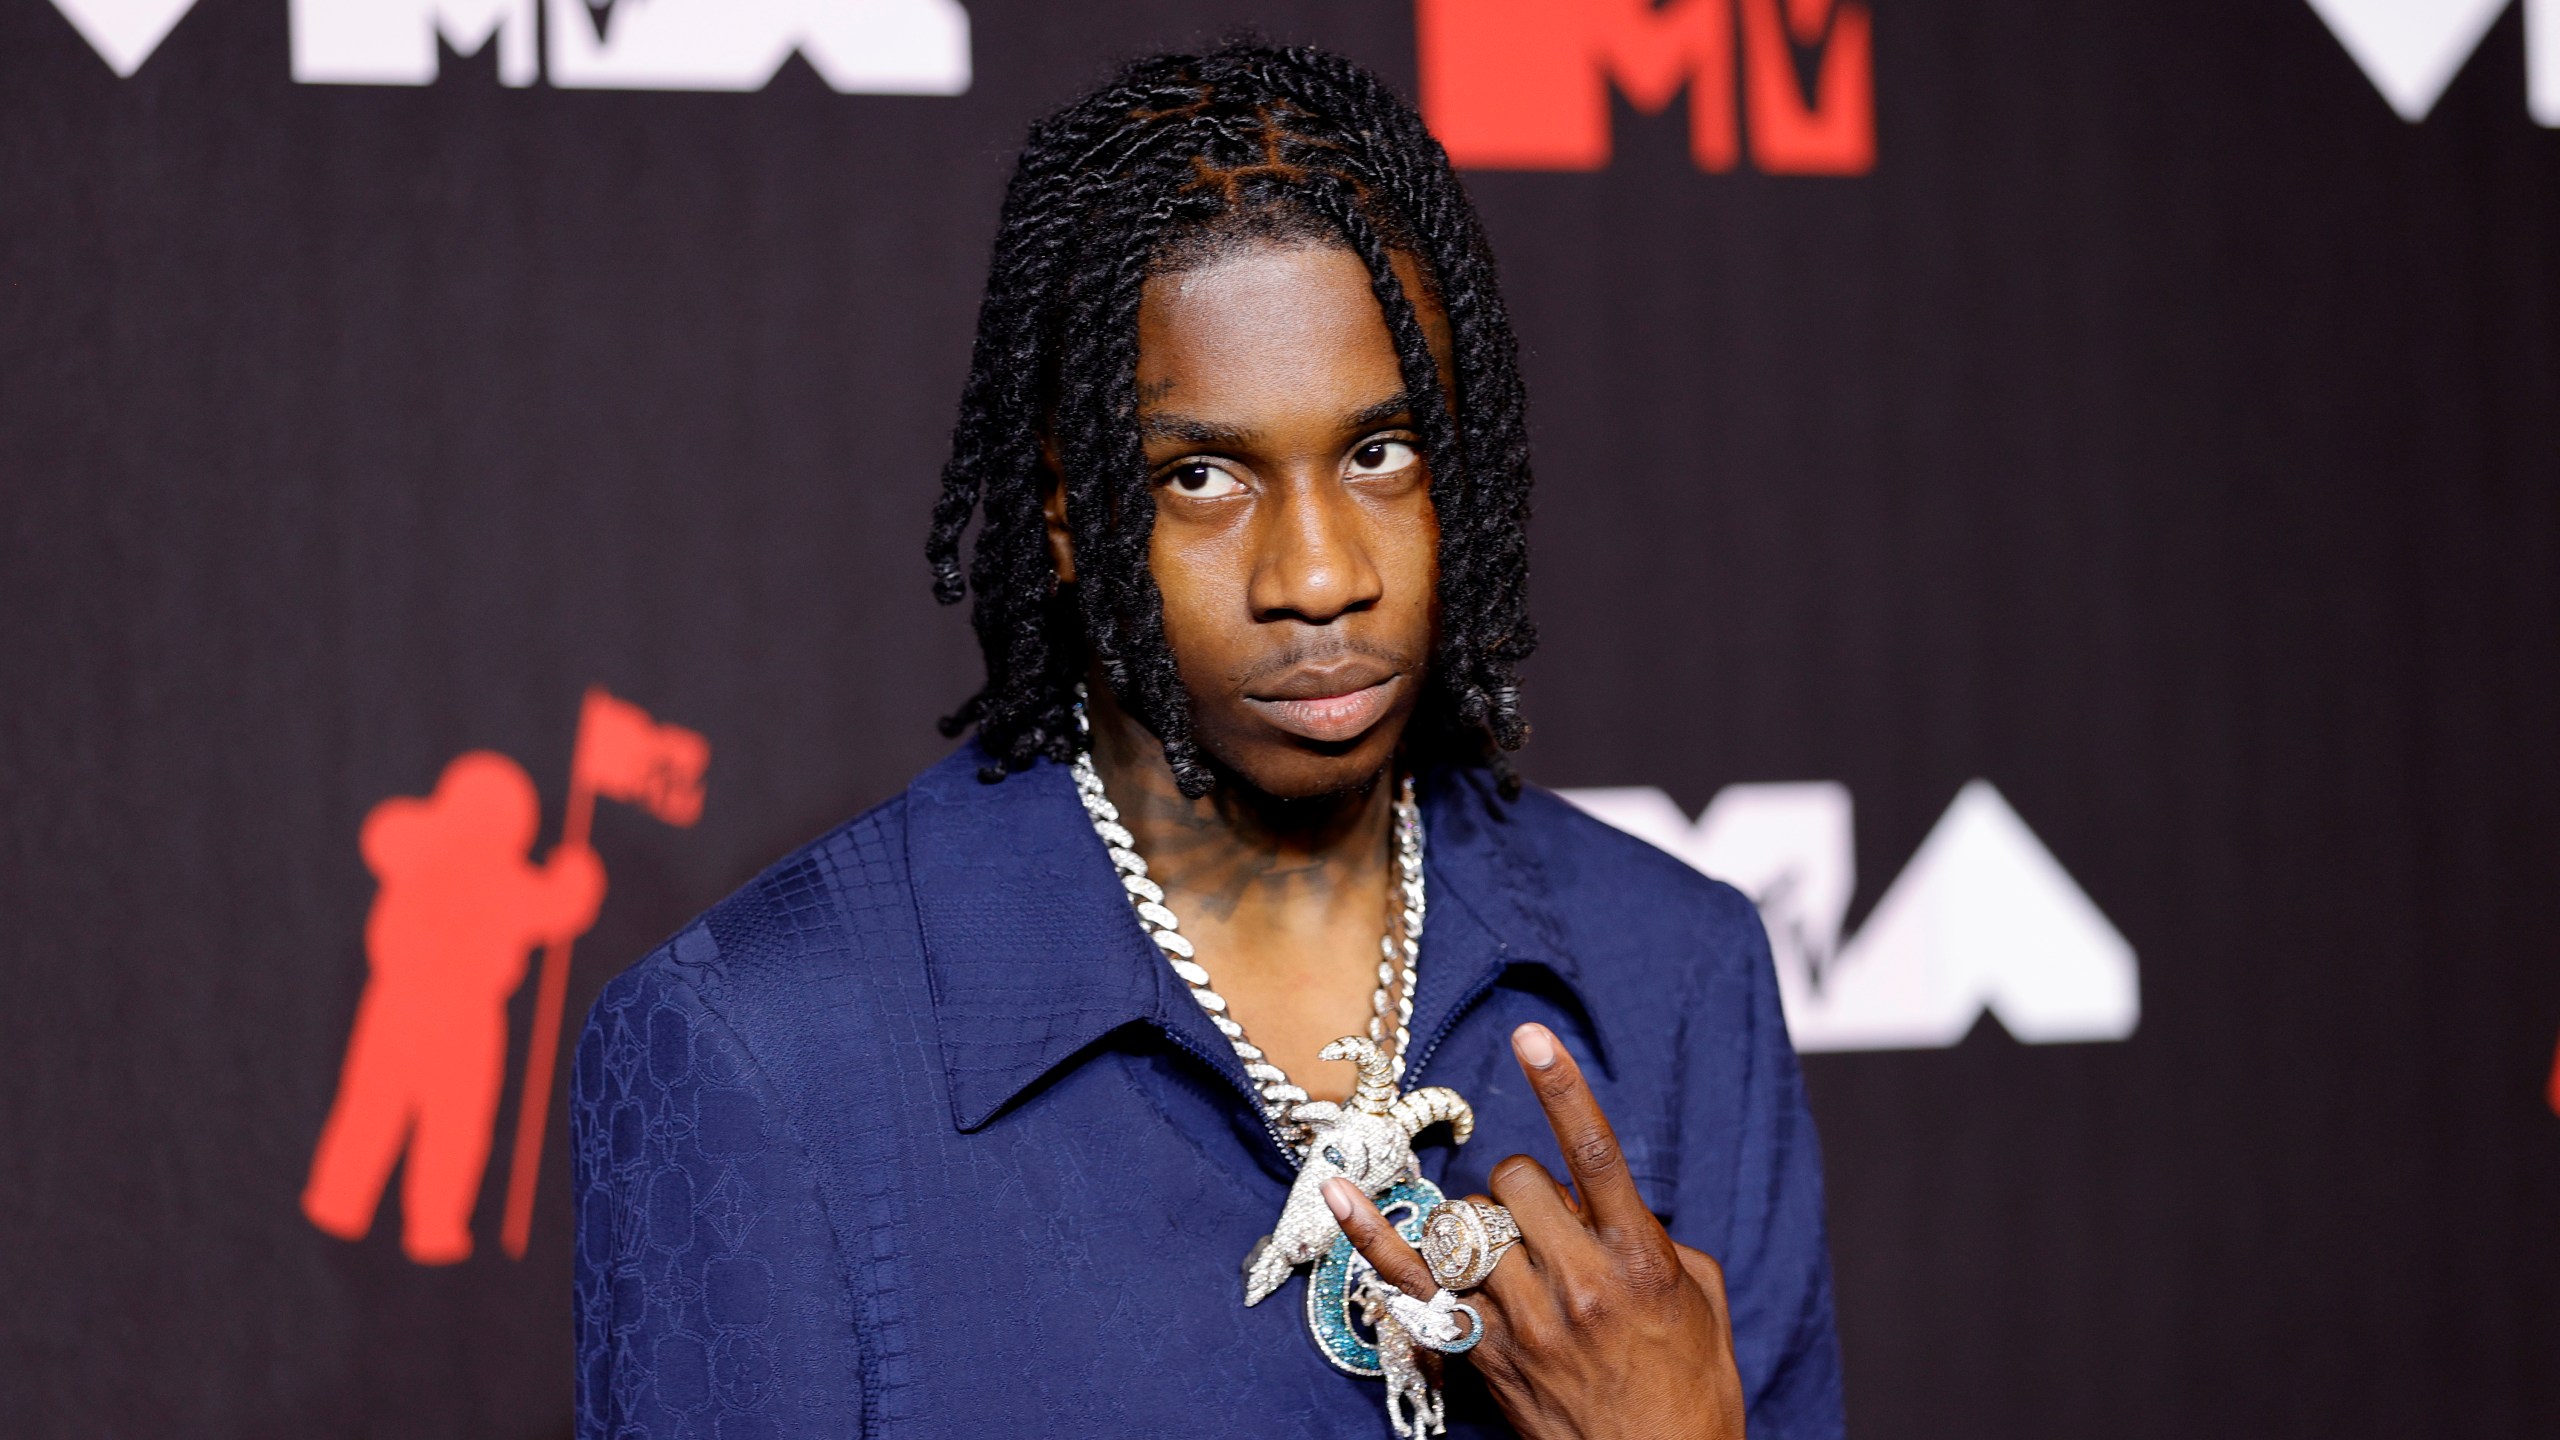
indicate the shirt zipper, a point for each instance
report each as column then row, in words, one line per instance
column 1288, row 1152
column 1457, row 1012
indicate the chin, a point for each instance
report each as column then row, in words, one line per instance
column 1285, row 767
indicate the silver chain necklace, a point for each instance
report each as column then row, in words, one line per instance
column 1399, row 951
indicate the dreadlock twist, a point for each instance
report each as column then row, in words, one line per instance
column 1133, row 180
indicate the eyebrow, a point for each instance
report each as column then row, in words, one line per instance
column 1379, row 414
column 1167, row 425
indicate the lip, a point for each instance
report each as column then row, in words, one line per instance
column 1329, row 706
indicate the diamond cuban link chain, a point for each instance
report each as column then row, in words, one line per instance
column 1400, row 952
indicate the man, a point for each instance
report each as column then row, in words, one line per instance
column 1008, row 1108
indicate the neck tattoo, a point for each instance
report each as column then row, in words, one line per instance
column 1399, row 950
column 1367, row 1139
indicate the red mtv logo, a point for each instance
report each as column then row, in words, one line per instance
column 1524, row 84
column 459, row 909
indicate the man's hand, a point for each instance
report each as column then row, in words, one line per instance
column 1596, row 1323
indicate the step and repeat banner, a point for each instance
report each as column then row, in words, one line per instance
column 2059, row 501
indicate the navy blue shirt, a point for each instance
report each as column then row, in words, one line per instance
column 917, row 1135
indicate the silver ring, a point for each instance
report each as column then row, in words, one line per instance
column 1462, row 1240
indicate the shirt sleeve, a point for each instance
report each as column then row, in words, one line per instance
column 709, row 1300
column 1757, row 1180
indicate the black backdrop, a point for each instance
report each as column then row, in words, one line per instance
column 2163, row 429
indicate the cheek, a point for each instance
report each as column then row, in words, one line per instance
column 1415, row 556
column 1202, row 579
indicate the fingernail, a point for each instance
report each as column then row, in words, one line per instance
column 1536, row 1045
column 1337, row 1197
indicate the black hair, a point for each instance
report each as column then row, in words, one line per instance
column 1178, row 159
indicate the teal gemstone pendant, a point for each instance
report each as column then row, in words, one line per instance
column 1329, row 1284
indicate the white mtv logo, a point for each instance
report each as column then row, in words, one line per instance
column 2412, row 49
column 907, row 47
column 902, row 47
column 1982, row 917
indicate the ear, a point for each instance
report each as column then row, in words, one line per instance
column 1053, row 506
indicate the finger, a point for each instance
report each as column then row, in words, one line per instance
column 1591, row 1153
column 1704, row 1272
column 1378, row 1242
column 1559, row 1246
column 1517, row 1292
column 1550, row 1229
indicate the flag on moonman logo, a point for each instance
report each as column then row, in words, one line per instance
column 626, row 756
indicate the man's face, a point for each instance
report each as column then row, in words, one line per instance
column 1294, row 539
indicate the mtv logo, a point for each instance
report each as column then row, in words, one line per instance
column 880, row 47
column 903, row 47
column 124, row 32
column 2412, row 49
column 370, row 42
column 1525, row 84
column 1983, row 917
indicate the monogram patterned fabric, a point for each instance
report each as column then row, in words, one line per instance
column 916, row 1135
column 698, row 1234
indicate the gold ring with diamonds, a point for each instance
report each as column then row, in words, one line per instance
column 1462, row 1240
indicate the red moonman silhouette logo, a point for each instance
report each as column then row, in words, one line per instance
column 1524, row 84
column 459, row 908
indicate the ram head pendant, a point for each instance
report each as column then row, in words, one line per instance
column 1367, row 1140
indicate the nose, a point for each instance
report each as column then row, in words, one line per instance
column 1312, row 562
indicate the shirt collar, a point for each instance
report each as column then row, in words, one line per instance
column 1034, row 954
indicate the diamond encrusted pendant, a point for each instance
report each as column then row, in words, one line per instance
column 1341, row 1296
column 1367, row 1140
column 1334, row 1311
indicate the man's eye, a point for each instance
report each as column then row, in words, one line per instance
column 1203, row 481
column 1382, row 457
